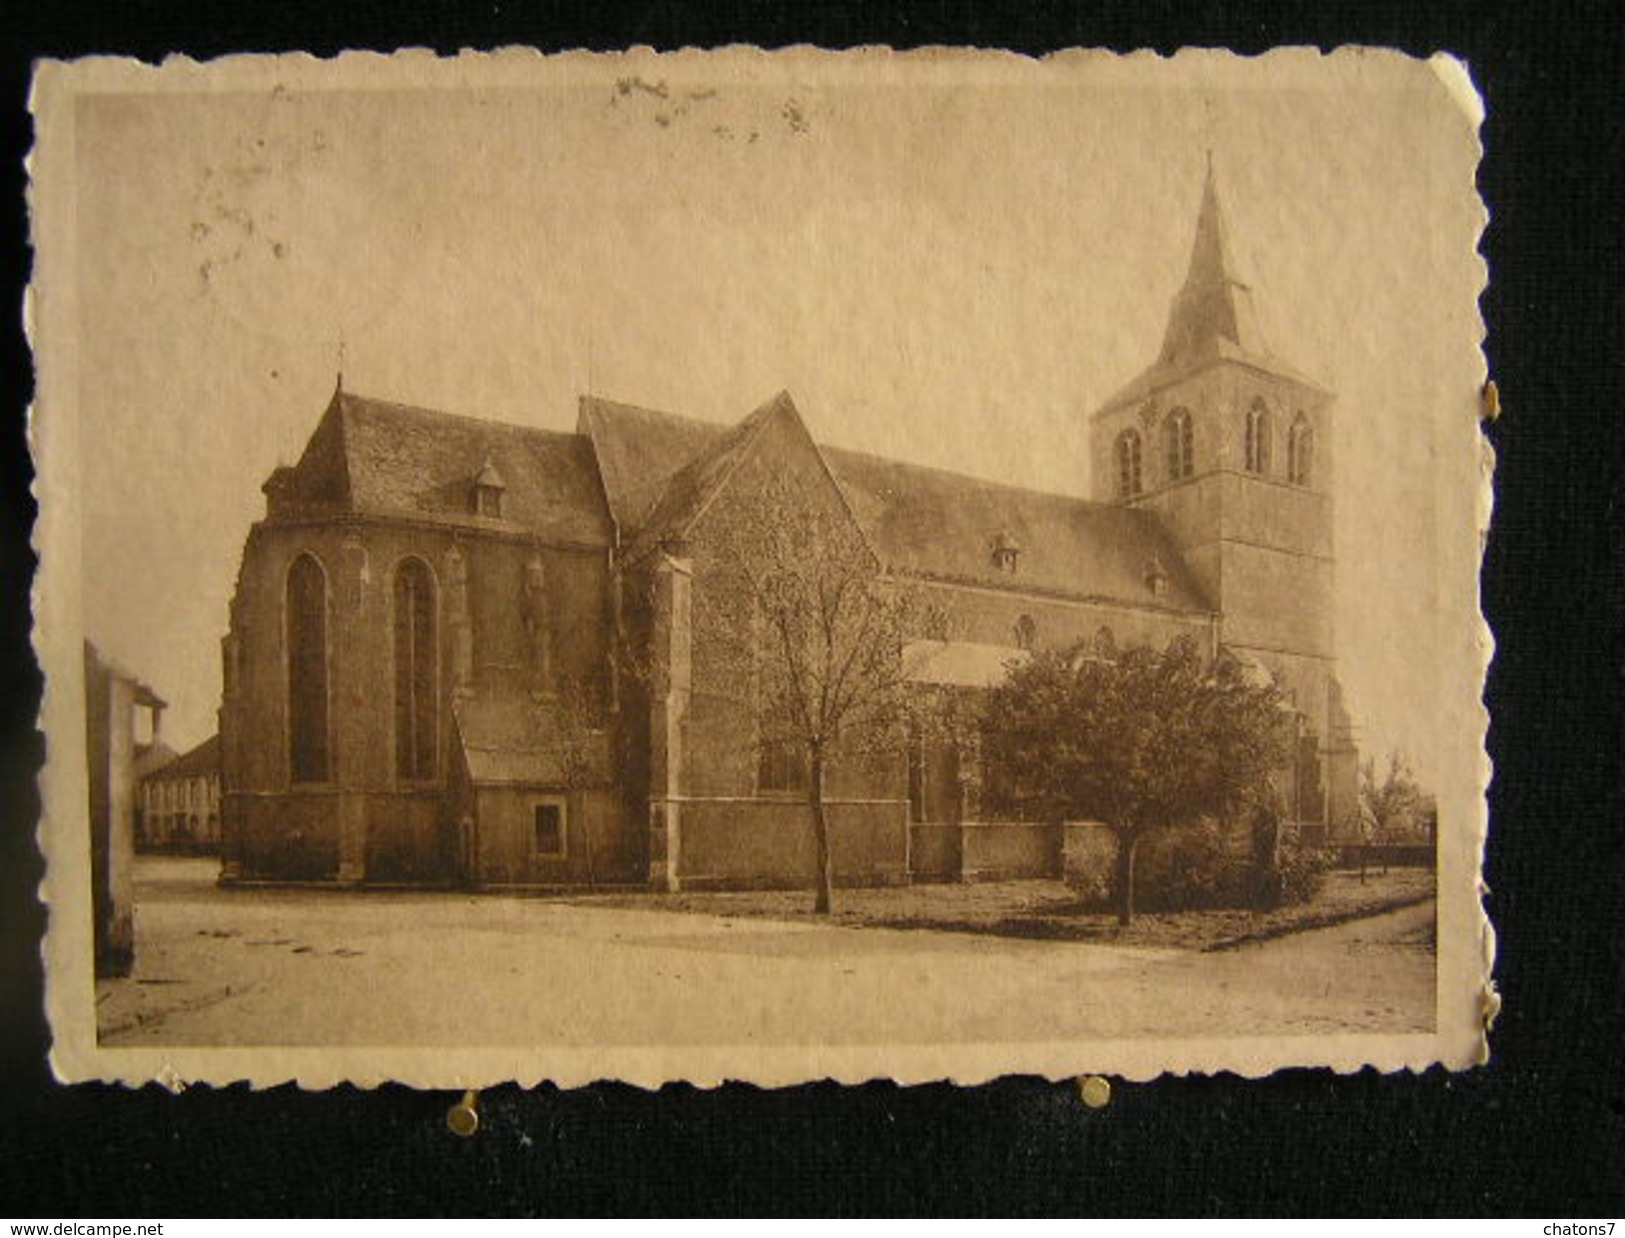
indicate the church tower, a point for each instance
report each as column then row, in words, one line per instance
column 1232, row 449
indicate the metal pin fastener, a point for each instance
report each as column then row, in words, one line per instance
column 463, row 1118
column 1095, row 1091
column 1490, row 401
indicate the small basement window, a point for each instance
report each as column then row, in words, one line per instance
column 548, row 828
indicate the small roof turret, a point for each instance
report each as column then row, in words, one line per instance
column 488, row 477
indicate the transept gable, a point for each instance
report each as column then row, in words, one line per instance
column 772, row 439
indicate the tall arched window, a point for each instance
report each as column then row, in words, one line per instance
column 416, row 700
column 1300, row 451
column 1026, row 632
column 1128, row 464
column 1258, row 438
column 308, row 756
column 1181, row 444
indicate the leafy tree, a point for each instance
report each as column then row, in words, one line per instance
column 829, row 678
column 1392, row 806
column 1139, row 739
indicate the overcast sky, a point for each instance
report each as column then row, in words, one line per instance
column 953, row 276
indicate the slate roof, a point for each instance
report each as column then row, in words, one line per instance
column 926, row 521
column 652, row 472
column 506, row 736
column 200, row 762
column 1164, row 374
column 150, row 758
column 1253, row 672
column 375, row 456
column 946, row 525
column 639, row 450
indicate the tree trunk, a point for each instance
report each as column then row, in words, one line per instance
column 1127, row 845
column 815, row 799
column 586, row 838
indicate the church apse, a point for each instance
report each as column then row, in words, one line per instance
column 380, row 626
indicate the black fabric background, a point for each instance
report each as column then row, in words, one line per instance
column 1539, row 1132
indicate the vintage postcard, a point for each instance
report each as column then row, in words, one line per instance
column 760, row 566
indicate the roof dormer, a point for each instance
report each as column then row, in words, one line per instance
column 1156, row 576
column 1006, row 551
column 485, row 494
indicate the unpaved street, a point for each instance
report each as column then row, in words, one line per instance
column 305, row 967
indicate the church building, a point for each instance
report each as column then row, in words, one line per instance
column 464, row 652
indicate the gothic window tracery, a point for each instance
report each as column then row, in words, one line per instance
column 416, row 704
column 306, row 618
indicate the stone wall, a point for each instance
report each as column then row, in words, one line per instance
column 110, row 700
column 598, row 849
column 711, row 825
column 1080, row 852
column 762, row 844
column 1006, row 850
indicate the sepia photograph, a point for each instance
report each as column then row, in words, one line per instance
column 760, row 566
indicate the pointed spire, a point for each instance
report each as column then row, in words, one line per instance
column 1210, row 255
column 1213, row 312
column 1211, row 318
column 338, row 382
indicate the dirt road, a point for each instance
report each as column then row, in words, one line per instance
column 303, row 967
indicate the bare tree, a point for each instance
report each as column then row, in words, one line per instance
column 1390, row 809
column 1394, row 802
column 830, row 679
column 579, row 729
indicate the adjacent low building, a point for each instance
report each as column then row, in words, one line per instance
column 180, row 803
column 112, row 697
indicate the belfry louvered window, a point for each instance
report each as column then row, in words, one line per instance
column 1300, row 451
column 1128, row 464
column 1258, row 438
column 1181, row 444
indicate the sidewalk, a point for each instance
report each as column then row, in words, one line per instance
column 1049, row 910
